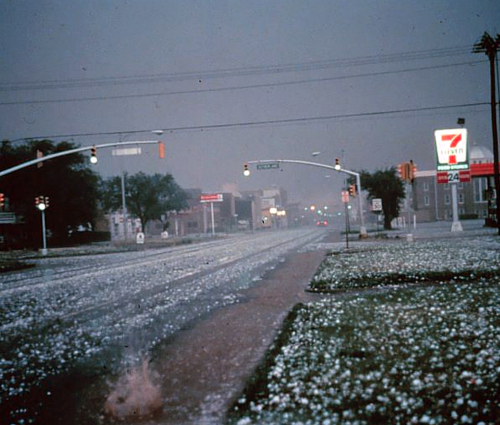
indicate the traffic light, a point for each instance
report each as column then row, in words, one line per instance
column 246, row 170
column 403, row 171
column 352, row 190
column 2, row 200
column 412, row 170
column 161, row 150
column 93, row 155
column 42, row 202
column 407, row 170
column 39, row 154
column 337, row 164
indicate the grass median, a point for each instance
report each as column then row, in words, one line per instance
column 400, row 354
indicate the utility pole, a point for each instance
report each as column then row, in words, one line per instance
column 489, row 46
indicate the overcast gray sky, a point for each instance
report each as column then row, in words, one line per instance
column 99, row 67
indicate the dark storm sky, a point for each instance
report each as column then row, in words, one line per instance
column 95, row 67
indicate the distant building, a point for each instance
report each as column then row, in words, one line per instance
column 117, row 227
column 431, row 201
column 255, row 196
column 238, row 211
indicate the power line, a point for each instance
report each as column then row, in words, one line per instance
column 237, row 72
column 258, row 123
column 251, row 86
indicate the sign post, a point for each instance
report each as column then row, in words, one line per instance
column 218, row 197
column 345, row 201
column 377, row 208
column 452, row 164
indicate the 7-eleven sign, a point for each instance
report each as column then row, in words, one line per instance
column 451, row 149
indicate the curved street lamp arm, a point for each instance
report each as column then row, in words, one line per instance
column 329, row 167
column 69, row 152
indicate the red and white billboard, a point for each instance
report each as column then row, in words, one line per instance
column 212, row 197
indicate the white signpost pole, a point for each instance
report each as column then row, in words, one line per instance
column 213, row 218
column 456, row 225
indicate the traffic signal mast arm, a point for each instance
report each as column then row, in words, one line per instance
column 72, row 151
column 292, row 161
column 329, row 167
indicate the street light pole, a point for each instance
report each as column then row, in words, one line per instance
column 42, row 202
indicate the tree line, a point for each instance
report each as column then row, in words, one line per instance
column 78, row 196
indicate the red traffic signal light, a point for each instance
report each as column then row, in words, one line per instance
column 407, row 170
column 402, row 171
column 161, row 150
column 352, row 190
column 412, row 168
column 2, row 199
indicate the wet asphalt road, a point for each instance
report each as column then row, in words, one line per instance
column 71, row 323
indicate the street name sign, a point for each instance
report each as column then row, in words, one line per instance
column 126, row 151
column 270, row 166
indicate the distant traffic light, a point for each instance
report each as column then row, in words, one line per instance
column 412, row 170
column 246, row 170
column 404, row 171
column 39, row 154
column 93, row 155
column 161, row 150
column 352, row 190
column 2, row 200
column 407, row 170
column 42, row 202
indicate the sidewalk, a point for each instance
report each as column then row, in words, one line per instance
column 437, row 230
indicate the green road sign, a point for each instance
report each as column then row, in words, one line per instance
column 270, row 166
